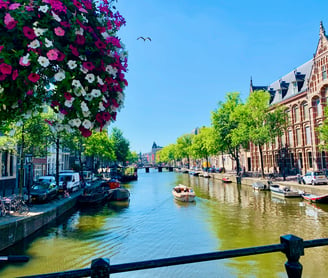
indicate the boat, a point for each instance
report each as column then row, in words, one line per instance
column 260, row 186
column 119, row 194
column 284, row 191
column 183, row 193
column 94, row 194
column 226, row 180
column 206, row 175
column 315, row 198
column 116, row 191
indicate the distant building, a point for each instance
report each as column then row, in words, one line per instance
column 150, row 158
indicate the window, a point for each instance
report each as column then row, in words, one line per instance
column 298, row 137
column 295, row 112
column 308, row 135
column 324, row 72
column 4, row 164
column 290, row 137
column 318, row 107
column 283, row 140
column 310, row 159
column 300, row 161
column 305, row 111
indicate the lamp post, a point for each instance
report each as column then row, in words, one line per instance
column 28, row 162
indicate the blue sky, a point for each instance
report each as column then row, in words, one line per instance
column 200, row 51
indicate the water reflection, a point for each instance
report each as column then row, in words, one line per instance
column 154, row 225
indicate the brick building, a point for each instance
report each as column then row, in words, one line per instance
column 303, row 92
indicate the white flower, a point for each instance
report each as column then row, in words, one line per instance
column 39, row 31
column 55, row 16
column 60, row 76
column 75, row 122
column 72, row 64
column 79, row 32
column 120, row 97
column 83, row 69
column 83, row 57
column 34, row 44
column 86, row 114
column 76, row 83
column 96, row 93
column 48, row 43
column 88, row 97
column 90, row 77
column 44, row 8
column 101, row 106
column 43, row 61
column 100, row 81
column 87, row 124
column 1, row 90
column 111, row 70
column 77, row 91
column 84, row 106
column 69, row 103
column 26, row 59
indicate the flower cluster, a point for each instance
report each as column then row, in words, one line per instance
column 65, row 54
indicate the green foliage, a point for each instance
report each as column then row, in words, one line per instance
column 120, row 145
column 99, row 145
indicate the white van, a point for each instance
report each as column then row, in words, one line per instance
column 72, row 179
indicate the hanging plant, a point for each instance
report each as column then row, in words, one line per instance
column 65, row 54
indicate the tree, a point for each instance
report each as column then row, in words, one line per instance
column 226, row 126
column 183, row 147
column 262, row 121
column 99, row 146
column 204, row 144
column 120, row 145
column 167, row 154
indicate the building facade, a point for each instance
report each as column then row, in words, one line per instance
column 304, row 93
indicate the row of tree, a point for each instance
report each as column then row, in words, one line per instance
column 35, row 136
column 234, row 125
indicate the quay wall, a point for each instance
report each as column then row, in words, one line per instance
column 15, row 228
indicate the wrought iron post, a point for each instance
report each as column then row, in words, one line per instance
column 100, row 268
column 293, row 249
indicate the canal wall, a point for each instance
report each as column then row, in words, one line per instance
column 14, row 228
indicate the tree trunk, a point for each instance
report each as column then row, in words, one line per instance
column 22, row 160
column 261, row 160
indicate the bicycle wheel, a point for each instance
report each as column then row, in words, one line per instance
column 23, row 209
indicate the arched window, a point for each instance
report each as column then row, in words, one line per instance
column 305, row 111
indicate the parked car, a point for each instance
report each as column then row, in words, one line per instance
column 315, row 177
column 43, row 191
column 47, row 179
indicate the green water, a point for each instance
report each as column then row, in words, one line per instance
column 153, row 226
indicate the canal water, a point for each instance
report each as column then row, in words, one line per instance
column 153, row 226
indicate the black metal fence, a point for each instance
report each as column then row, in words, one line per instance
column 291, row 245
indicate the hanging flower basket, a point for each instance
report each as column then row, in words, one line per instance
column 65, row 54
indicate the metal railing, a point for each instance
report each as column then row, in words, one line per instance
column 291, row 245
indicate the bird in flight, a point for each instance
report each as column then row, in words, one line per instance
column 147, row 38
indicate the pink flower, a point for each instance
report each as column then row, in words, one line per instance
column 3, row 4
column 99, row 118
column 88, row 65
column 80, row 40
column 67, row 96
column 77, row 4
column 59, row 31
column 33, row 77
column 29, row 33
column 74, row 51
column 29, row 92
column 8, row 19
column 14, row 6
column 85, row 132
column 5, row 68
column 106, row 116
column 15, row 74
column 1, row 47
column 52, row 54
column 65, row 24
column 61, row 56
column 11, row 25
column 100, row 45
column 115, row 103
column 87, row 4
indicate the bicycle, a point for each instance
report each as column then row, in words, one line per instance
column 17, row 204
column 3, row 210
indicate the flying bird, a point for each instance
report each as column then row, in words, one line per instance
column 147, row 38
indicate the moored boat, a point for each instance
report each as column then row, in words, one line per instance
column 260, row 186
column 284, row 191
column 119, row 194
column 315, row 198
column 94, row 194
column 183, row 193
column 226, row 180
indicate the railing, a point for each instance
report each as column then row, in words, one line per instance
column 292, row 246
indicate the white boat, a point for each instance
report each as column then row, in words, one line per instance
column 260, row 186
column 284, row 191
column 183, row 193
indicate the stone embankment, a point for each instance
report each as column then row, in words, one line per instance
column 14, row 227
